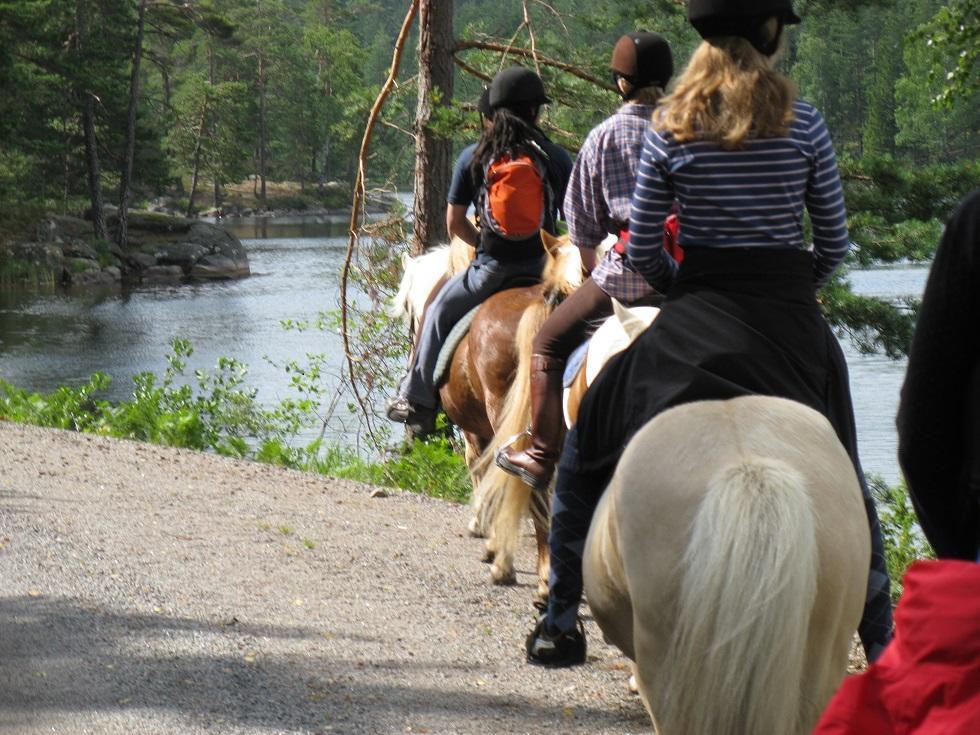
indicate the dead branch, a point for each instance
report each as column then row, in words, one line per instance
column 359, row 194
column 530, row 34
column 471, row 70
column 527, row 54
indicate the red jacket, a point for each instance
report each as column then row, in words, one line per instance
column 927, row 682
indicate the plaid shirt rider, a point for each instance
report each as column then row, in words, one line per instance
column 599, row 194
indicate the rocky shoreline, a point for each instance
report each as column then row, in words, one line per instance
column 162, row 248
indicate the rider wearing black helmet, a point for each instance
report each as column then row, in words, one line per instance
column 742, row 157
column 596, row 205
column 515, row 98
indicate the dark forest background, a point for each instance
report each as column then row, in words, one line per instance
column 217, row 100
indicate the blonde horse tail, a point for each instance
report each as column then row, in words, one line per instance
column 501, row 500
column 750, row 581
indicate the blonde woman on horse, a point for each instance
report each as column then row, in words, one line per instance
column 515, row 99
column 597, row 204
column 743, row 158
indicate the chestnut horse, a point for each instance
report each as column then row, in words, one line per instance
column 503, row 500
column 728, row 558
column 481, row 372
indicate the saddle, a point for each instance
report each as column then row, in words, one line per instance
column 461, row 327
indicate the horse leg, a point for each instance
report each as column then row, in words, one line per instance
column 540, row 514
column 474, row 447
column 514, row 504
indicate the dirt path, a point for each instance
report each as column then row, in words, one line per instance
column 152, row 590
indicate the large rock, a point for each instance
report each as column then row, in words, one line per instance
column 160, row 248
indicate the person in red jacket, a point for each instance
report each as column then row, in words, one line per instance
column 928, row 680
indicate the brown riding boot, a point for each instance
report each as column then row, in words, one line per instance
column 536, row 464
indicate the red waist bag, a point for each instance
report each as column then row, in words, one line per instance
column 672, row 231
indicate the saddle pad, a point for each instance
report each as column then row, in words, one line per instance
column 456, row 335
column 575, row 362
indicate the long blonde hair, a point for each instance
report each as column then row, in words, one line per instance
column 728, row 92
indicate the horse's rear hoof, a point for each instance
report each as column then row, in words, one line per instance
column 503, row 578
column 541, row 595
column 473, row 528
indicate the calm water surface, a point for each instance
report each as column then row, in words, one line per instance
column 51, row 340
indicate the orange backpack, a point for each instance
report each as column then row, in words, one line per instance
column 516, row 195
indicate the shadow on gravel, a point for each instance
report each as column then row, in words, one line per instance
column 59, row 655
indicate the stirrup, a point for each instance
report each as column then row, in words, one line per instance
column 511, row 441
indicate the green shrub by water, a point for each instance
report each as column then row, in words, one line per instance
column 216, row 411
column 904, row 540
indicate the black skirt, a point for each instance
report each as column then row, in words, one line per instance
column 736, row 322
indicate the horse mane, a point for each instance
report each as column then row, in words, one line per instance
column 424, row 273
column 563, row 271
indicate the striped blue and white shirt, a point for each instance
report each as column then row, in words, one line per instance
column 750, row 197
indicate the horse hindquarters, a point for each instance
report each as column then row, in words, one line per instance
column 745, row 565
column 605, row 579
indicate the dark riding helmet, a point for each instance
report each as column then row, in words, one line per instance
column 483, row 104
column 517, row 87
column 743, row 18
column 643, row 59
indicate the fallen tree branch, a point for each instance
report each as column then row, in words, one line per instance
column 528, row 54
column 359, row 194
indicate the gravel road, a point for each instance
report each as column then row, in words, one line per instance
column 152, row 590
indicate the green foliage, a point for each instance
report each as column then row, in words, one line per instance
column 904, row 541
column 953, row 37
column 433, row 467
column 882, row 242
column 76, row 409
column 873, row 325
column 897, row 211
column 216, row 411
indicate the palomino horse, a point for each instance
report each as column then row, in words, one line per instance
column 728, row 558
column 502, row 503
column 482, row 371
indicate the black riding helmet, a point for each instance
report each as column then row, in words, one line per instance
column 517, row 87
column 743, row 18
column 643, row 59
column 483, row 104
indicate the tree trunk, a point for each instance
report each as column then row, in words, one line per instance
column 197, row 155
column 93, row 167
column 262, row 131
column 432, row 152
column 126, row 175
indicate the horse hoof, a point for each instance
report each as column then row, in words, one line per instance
column 503, row 578
column 473, row 528
column 634, row 688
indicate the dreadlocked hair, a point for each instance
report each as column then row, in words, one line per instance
column 512, row 130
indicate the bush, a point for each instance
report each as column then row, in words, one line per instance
column 881, row 241
column 904, row 541
column 217, row 412
column 898, row 190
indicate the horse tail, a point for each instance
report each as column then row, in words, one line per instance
column 500, row 499
column 749, row 584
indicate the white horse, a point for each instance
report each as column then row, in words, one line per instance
column 728, row 558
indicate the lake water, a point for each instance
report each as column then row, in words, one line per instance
column 56, row 339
